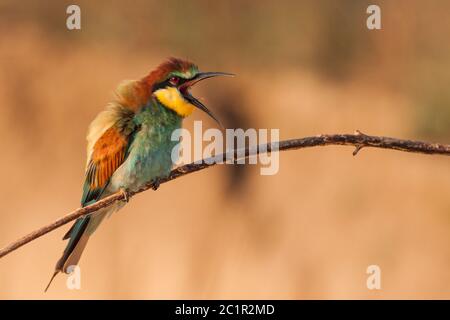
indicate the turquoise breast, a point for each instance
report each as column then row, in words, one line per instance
column 150, row 152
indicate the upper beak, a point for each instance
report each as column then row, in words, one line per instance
column 199, row 77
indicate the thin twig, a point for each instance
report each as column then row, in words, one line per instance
column 358, row 140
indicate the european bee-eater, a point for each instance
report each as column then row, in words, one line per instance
column 129, row 144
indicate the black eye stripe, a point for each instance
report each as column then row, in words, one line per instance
column 180, row 81
column 166, row 83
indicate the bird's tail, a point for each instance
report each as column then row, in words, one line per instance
column 78, row 236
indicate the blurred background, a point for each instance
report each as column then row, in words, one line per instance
column 305, row 67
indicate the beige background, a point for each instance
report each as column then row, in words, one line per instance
column 304, row 67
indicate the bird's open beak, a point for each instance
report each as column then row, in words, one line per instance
column 184, row 89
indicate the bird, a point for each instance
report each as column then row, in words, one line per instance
column 129, row 143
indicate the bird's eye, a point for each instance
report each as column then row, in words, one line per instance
column 174, row 81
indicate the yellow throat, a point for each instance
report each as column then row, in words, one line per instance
column 171, row 98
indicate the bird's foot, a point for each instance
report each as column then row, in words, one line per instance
column 155, row 184
column 126, row 196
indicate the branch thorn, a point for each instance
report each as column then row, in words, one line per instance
column 358, row 147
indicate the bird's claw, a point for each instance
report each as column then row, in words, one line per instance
column 125, row 194
column 155, row 184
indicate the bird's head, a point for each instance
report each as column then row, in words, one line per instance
column 170, row 84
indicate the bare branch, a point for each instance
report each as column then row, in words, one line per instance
column 358, row 140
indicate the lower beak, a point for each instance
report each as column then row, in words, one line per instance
column 199, row 77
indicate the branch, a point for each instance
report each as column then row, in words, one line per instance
column 358, row 140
